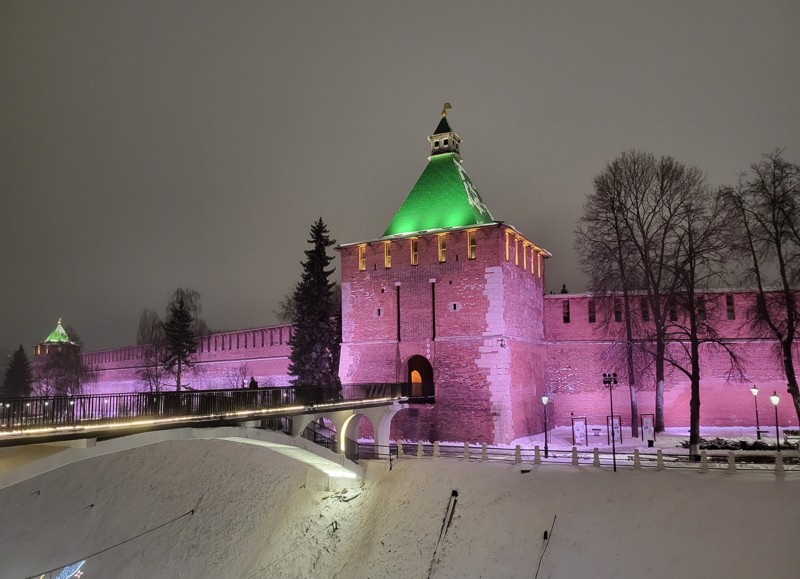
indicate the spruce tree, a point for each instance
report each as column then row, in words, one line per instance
column 18, row 379
column 180, row 342
column 315, row 343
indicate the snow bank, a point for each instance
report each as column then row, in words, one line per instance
column 254, row 516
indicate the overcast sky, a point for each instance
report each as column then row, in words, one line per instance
column 150, row 145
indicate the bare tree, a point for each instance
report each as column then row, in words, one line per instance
column 150, row 338
column 608, row 259
column 764, row 232
column 633, row 239
column 236, row 376
column 699, row 259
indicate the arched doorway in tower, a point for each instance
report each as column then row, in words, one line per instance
column 420, row 376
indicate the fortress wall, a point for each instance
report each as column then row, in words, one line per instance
column 262, row 352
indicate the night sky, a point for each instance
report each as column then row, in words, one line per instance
column 150, row 145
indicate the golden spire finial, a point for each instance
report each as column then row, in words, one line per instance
column 445, row 108
column 59, row 321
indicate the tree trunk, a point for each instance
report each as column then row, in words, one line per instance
column 791, row 376
column 660, row 349
column 178, row 377
column 694, row 403
column 629, row 360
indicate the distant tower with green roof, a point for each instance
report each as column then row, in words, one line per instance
column 450, row 300
column 56, row 342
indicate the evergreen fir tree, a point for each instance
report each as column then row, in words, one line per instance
column 315, row 343
column 18, row 379
column 180, row 342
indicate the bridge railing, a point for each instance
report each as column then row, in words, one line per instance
column 48, row 412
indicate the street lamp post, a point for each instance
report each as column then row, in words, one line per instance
column 754, row 390
column 609, row 379
column 775, row 399
column 545, row 400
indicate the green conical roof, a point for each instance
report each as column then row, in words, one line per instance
column 443, row 197
column 59, row 335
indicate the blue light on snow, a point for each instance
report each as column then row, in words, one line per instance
column 73, row 570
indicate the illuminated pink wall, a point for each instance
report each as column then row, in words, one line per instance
column 264, row 351
column 503, row 345
column 579, row 352
column 488, row 353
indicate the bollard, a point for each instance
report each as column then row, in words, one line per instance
column 537, row 459
column 484, row 454
column 466, row 451
column 637, row 462
column 436, row 449
column 399, row 448
column 574, row 456
column 703, row 461
column 517, row 455
column 419, row 450
column 596, row 460
column 660, row 460
column 779, row 464
column 731, row 462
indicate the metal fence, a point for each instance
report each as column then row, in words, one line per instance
column 48, row 412
column 527, row 456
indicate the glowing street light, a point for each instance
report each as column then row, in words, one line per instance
column 754, row 390
column 775, row 399
column 545, row 400
column 609, row 379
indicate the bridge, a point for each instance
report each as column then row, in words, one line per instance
column 288, row 420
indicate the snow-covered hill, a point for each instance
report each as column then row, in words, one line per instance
column 129, row 515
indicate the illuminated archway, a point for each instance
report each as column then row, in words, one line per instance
column 420, row 376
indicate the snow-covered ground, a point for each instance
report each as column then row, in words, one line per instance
column 129, row 514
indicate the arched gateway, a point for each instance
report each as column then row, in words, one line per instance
column 420, row 376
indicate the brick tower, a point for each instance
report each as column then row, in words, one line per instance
column 450, row 300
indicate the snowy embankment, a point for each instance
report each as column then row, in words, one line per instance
column 130, row 515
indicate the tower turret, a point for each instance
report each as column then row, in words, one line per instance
column 444, row 139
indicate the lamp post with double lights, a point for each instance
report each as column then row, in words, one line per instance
column 754, row 390
column 775, row 399
column 545, row 400
column 609, row 379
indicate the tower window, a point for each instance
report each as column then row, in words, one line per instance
column 516, row 251
column 362, row 257
column 673, row 310
column 729, row 307
column 445, row 142
column 525, row 256
column 645, row 310
column 436, row 144
column 592, row 313
column 471, row 245
column 617, row 310
column 414, row 251
column 508, row 256
column 565, row 311
column 539, row 264
column 387, row 254
column 442, row 247
column 701, row 308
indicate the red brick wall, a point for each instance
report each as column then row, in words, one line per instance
column 488, row 348
column 217, row 356
column 579, row 353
